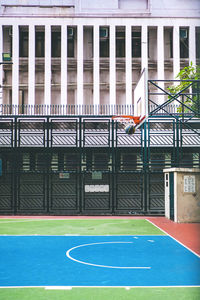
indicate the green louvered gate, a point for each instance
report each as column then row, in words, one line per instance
column 7, row 184
column 89, row 166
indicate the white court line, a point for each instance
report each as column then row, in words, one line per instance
column 174, row 238
column 33, row 220
column 99, row 286
column 21, row 219
column 101, row 266
column 75, row 235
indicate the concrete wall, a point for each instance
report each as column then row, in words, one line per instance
column 188, row 202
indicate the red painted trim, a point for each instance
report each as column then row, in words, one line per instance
column 186, row 233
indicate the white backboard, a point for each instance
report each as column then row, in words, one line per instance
column 141, row 96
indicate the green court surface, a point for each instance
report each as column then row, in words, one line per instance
column 89, row 227
column 101, row 294
column 77, row 227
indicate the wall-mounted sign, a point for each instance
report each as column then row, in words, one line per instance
column 64, row 175
column 97, row 188
column 189, row 184
column 96, row 175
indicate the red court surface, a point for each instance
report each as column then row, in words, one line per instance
column 186, row 233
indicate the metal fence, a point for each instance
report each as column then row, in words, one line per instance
column 68, row 110
column 45, row 110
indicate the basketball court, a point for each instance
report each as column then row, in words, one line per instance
column 132, row 261
column 126, row 253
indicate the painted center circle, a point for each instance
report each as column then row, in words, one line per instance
column 117, row 255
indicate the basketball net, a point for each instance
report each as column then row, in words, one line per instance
column 125, row 120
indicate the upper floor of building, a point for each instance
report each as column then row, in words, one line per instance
column 95, row 8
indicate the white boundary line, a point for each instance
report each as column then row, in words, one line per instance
column 78, row 235
column 33, row 220
column 91, row 286
column 174, row 238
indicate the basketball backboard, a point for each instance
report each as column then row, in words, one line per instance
column 141, row 97
column 140, row 104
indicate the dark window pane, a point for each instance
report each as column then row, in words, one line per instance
column 39, row 44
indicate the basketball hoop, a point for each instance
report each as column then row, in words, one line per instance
column 130, row 123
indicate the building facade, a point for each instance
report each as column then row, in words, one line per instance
column 81, row 52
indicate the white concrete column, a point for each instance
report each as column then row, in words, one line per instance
column 128, row 43
column 15, row 59
column 96, row 72
column 192, row 45
column 112, row 65
column 176, row 51
column 1, row 66
column 31, row 66
column 80, row 64
column 144, row 62
column 160, row 61
column 63, row 65
column 47, row 75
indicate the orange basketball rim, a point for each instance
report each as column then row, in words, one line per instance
column 126, row 118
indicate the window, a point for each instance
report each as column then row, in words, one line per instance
column 97, row 161
column 187, row 159
column 136, row 44
column 25, row 162
column 39, row 44
column 120, row 43
column 157, row 161
column 54, row 162
column 41, row 161
column 100, row 161
column 55, row 44
column 23, row 44
column 198, row 42
column 21, row 101
column 171, row 42
column 104, row 42
column 184, row 46
column 128, row 161
column 70, row 41
column 71, row 161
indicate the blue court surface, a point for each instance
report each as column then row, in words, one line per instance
column 96, row 261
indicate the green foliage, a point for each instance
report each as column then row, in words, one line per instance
column 192, row 101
